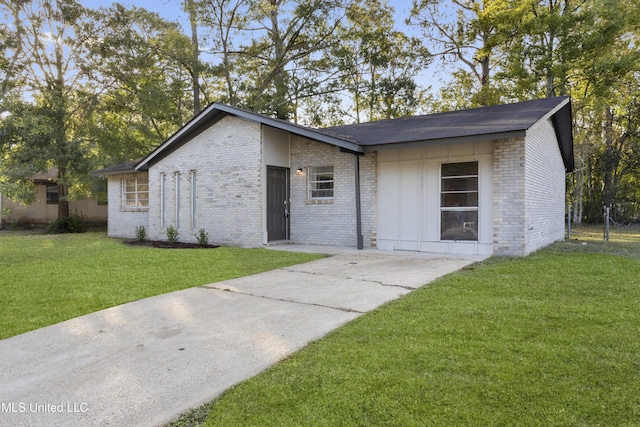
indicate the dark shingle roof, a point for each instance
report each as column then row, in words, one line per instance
column 455, row 124
column 117, row 169
column 495, row 122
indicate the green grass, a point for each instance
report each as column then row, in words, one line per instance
column 550, row 339
column 45, row 279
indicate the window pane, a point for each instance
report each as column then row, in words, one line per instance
column 324, row 169
column 52, row 194
column 321, row 193
column 460, row 184
column 130, row 200
column 454, row 200
column 459, row 225
column 135, row 193
column 321, row 182
column 460, row 169
column 129, row 185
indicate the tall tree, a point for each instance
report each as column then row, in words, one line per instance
column 48, row 133
column 190, row 7
column 226, row 22
column 145, row 71
column 279, row 58
column 379, row 64
column 468, row 35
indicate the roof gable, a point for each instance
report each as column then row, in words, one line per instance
column 215, row 112
column 493, row 122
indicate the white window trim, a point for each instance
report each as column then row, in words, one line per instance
column 460, row 208
column 310, row 189
column 163, row 201
column 193, row 199
column 123, row 195
column 177, row 194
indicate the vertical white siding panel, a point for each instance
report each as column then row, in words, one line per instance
column 389, row 185
column 410, row 213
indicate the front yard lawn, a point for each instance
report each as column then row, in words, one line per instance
column 45, row 279
column 550, row 339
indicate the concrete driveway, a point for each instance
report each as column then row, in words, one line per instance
column 146, row 362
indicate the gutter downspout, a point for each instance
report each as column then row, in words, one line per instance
column 356, row 168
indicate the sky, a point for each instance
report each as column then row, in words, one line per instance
column 171, row 9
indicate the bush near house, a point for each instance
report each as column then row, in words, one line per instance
column 74, row 223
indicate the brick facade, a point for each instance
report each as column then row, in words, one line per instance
column 528, row 192
column 544, row 187
column 123, row 222
column 226, row 161
column 215, row 181
column 331, row 222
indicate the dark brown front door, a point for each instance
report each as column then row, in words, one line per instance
column 277, row 203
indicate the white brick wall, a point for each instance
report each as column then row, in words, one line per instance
column 529, row 191
column 123, row 223
column 544, row 187
column 508, row 196
column 333, row 222
column 227, row 161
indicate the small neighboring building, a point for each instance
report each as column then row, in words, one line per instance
column 483, row 181
column 45, row 208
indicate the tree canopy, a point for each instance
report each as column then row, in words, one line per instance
column 82, row 89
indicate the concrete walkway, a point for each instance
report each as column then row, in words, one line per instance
column 146, row 362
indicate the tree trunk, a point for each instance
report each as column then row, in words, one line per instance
column 279, row 76
column 196, row 56
column 63, row 202
column 578, row 192
column 607, row 196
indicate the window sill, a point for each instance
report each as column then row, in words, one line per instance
column 134, row 209
column 318, row 202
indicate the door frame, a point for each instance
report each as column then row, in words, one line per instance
column 286, row 206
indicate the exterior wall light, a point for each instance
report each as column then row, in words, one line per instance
column 299, row 172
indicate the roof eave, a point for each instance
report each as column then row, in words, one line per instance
column 185, row 131
column 441, row 141
column 216, row 111
column 291, row 128
column 102, row 172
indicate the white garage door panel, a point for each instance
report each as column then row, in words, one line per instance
column 388, row 202
column 410, row 203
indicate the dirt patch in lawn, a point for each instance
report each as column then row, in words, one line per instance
column 168, row 245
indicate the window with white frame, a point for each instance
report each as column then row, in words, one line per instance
column 135, row 193
column 193, row 198
column 320, row 182
column 459, row 201
column 176, row 176
column 163, row 195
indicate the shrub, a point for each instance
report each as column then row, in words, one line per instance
column 74, row 223
column 172, row 234
column 141, row 234
column 202, row 237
